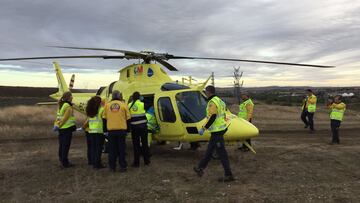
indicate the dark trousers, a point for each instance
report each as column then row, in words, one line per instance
column 217, row 143
column 335, row 125
column 65, row 136
column 139, row 134
column 117, row 148
column 308, row 119
column 97, row 142
column 90, row 157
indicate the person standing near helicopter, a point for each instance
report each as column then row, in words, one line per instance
column 216, row 124
column 246, row 109
column 65, row 125
column 117, row 115
column 139, row 130
column 337, row 108
column 308, row 110
column 95, row 124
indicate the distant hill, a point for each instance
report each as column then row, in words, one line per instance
column 13, row 96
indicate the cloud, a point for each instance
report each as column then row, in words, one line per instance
column 321, row 32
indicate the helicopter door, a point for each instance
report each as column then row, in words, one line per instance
column 169, row 122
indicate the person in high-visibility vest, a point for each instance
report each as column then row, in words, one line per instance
column 337, row 108
column 217, row 125
column 152, row 125
column 139, row 131
column 65, row 125
column 308, row 110
column 246, row 109
column 117, row 116
column 88, row 136
column 94, row 123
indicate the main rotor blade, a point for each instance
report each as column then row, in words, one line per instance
column 64, row 57
column 130, row 53
column 249, row 61
column 166, row 64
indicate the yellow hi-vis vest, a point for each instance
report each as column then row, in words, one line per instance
column 60, row 114
column 242, row 109
column 220, row 122
column 137, row 112
column 311, row 108
column 337, row 114
column 151, row 121
column 96, row 123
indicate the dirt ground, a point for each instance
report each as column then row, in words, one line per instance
column 290, row 166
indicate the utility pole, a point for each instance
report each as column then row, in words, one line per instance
column 212, row 79
column 237, row 86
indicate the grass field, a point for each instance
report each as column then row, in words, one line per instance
column 290, row 165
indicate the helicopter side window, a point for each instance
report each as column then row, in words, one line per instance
column 100, row 90
column 166, row 111
column 111, row 86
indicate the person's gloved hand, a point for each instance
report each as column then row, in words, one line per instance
column 55, row 128
column 201, row 131
column 79, row 129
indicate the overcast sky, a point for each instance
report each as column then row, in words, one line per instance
column 324, row 32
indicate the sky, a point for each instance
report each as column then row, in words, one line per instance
column 324, row 32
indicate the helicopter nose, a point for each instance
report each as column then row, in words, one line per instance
column 241, row 129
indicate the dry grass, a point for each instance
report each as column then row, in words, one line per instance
column 28, row 121
column 290, row 166
column 285, row 118
column 36, row 121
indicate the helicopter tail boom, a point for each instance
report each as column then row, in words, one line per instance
column 63, row 87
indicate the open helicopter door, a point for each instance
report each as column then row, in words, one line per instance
column 168, row 119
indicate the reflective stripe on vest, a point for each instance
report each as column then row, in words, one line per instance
column 60, row 114
column 337, row 114
column 96, row 123
column 219, row 123
column 311, row 107
column 242, row 109
column 137, row 112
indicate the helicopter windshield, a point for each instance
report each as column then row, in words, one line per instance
column 191, row 105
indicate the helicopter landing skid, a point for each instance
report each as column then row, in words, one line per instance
column 250, row 147
column 179, row 147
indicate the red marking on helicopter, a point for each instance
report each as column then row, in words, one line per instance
column 138, row 70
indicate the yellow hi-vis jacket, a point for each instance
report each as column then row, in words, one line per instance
column 337, row 111
column 137, row 112
column 309, row 104
column 65, row 116
column 151, row 121
column 220, row 122
column 96, row 122
column 116, row 114
column 246, row 109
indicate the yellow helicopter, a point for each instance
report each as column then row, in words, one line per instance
column 180, row 109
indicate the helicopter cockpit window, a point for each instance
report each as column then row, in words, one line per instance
column 166, row 111
column 173, row 86
column 191, row 105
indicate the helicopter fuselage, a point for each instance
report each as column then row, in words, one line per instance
column 180, row 110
